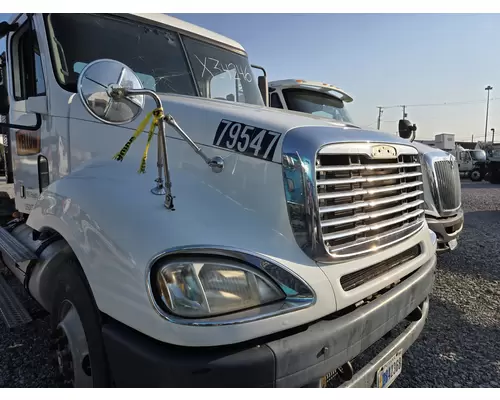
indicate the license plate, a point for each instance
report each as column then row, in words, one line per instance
column 388, row 372
column 453, row 244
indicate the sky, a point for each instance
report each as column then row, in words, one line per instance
column 382, row 60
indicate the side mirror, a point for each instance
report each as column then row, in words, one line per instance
column 263, row 85
column 95, row 87
column 4, row 100
column 6, row 28
column 406, row 129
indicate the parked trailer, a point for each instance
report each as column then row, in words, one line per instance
column 200, row 270
column 441, row 181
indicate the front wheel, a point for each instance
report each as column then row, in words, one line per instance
column 475, row 175
column 76, row 331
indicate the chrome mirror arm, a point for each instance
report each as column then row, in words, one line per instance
column 216, row 163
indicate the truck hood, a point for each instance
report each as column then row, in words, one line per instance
column 424, row 149
column 202, row 119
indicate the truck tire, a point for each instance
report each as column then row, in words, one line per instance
column 475, row 175
column 79, row 354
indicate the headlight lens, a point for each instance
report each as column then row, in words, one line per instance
column 210, row 287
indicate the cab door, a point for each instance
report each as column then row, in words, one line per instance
column 26, row 84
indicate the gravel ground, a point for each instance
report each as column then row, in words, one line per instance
column 458, row 347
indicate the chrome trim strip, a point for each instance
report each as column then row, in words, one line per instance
column 367, row 179
column 355, row 147
column 374, row 214
column 257, row 260
column 377, row 242
column 367, row 167
column 358, row 192
column 374, row 227
column 370, row 203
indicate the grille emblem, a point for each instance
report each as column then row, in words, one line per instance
column 384, row 152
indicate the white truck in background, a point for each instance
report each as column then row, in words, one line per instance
column 442, row 190
column 236, row 256
column 471, row 162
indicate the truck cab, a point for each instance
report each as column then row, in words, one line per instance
column 471, row 163
column 442, row 189
column 155, row 221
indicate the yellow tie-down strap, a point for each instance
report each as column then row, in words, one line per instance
column 157, row 115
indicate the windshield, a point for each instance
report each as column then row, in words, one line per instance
column 478, row 155
column 164, row 60
column 494, row 153
column 316, row 103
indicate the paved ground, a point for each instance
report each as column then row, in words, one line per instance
column 460, row 345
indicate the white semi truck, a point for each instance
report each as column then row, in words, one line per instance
column 442, row 190
column 471, row 163
column 254, row 248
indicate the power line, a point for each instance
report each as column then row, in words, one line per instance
column 452, row 103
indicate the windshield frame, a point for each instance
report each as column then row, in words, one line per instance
column 178, row 32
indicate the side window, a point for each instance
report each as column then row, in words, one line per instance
column 39, row 78
column 226, row 86
column 30, row 80
column 275, row 101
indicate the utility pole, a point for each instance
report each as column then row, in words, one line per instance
column 487, row 88
column 379, row 117
column 472, row 141
column 492, row 135
column 404, row 112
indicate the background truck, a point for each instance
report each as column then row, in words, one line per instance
column 196, row 268
column 471, row 163
column 442, row 190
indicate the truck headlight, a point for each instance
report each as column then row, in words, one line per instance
column 207, row 286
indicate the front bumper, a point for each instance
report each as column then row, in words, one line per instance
column 294, row 358
column 446, row 229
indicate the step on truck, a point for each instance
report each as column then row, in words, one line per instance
column 157, row 217
column 441, row 178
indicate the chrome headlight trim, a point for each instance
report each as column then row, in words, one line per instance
column 306, row 297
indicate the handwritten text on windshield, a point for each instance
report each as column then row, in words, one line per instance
column 213, row 67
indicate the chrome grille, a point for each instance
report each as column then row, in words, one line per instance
column 448, row 184
column 366, row 204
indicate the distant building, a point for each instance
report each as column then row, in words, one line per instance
column 446, row 141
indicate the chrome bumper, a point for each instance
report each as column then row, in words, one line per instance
column 446, row 229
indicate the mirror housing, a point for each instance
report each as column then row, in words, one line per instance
column 6, row 28
column 407, row 130
column 263, row 85
column 100, row 87
column 37, row 105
